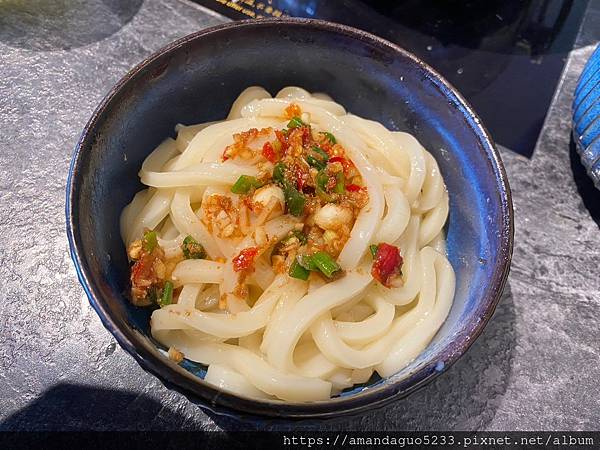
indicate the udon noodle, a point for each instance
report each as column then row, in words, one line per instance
column 293, row 248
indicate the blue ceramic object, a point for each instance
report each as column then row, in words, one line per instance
column 195, row 80
column 586, row 117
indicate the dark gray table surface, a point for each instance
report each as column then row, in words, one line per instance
column 536, row 366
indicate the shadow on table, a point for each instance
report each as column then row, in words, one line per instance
column 466, row 397
column 71, row 407
column 588, row 193
column 41, row 25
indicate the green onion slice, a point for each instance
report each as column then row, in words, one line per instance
column 150, row 241
column 325, row 263
column 192, row 249
column 306, row 261
column 279, row 172
column 297, row 271
column 294, row 199
column 340, row 184
column 167, row 295
column 321, row 181
column 300, row 236
column 319, row 151
column 296, row 122
column 244, row 184
column 314, row 162
column 373, row 249
column 330, row 136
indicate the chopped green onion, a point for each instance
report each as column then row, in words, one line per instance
column 150, row 241
column 294, row 199
column 279, row 172
column 295, row 234
column 153, row 295
column 320, row 152
column 192, row 249
column 330, row 136
column 314, row 162
column 306, row 261
column 297, row 271
column 320, row 261
column 296, row 122
column 325, row 263
column 167, row 295
column 300, row 236
column 245, row 184
column 340, row 185
column 373, row 249
column 321, row 181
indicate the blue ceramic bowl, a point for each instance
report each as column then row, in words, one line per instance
column 195, row 80
column 586, row 117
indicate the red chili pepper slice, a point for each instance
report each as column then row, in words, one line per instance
column 245, row 259
column 281, row 137
column 386, row 264
column 142, row 272
column 353, row 187
column 138, row 270
column 300, row 179
column 269, row 152
column 338, row 159
column 346, row 163
column 327, row 146
column 306, row 136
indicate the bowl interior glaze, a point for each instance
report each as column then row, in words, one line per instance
column 195, row 80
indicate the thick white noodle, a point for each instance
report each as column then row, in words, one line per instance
column 185, row 134
column 247, row 95
column 187, row 223
column 151, row 215
column 416, row 155
column 382, row 145
column 397, row 215
column 309, row 309
column 198, row 271
column 228, row 379
column 202, row 174
column 131, row 212
column 367, row 330
column 189, row 294
column 298, row 341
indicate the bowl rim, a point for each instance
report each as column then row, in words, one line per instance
column 225, row 403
